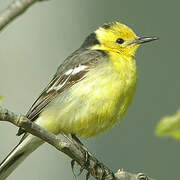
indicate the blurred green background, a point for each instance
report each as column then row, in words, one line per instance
column 32, row 47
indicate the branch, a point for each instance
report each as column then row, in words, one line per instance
column 94, row 167
column 16, row 8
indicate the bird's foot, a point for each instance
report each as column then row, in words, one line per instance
column 84, row 151
column 79, row 145
column 99, row 168
column 86, row 162
column 101, row 171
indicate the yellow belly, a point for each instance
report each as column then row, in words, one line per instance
column 92, row 105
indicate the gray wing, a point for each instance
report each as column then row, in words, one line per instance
column 72, row 70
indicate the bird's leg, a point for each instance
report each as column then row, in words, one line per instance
column 79, row 145
column 83, row 150
column 87, row 161
column 76, row 139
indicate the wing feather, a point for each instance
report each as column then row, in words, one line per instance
column 70, row 72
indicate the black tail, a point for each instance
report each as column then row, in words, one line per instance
column 18, row 154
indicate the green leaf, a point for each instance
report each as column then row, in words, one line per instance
column 169, row 126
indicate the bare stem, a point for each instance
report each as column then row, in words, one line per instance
column 16, row 8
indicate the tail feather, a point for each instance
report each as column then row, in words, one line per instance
column 28, row 144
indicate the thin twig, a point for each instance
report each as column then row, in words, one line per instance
column 95, row 168
column 15, row 9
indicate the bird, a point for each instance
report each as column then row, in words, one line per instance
column 89, row 93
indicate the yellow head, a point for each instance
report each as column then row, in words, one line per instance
column 115, row 37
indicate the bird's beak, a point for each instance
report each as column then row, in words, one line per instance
column 141, row 40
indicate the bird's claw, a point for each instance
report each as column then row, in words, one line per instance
column 85, row 165
column 103, row 171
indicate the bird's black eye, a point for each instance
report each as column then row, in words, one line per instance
column 120, row 41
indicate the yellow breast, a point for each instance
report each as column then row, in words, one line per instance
column 95, row 103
